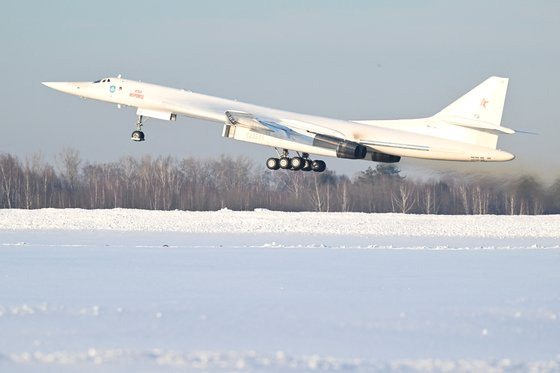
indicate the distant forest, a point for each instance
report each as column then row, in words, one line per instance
column 168, row 183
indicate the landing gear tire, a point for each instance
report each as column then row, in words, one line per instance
column 284, row 163
column 296, row 163
column 137, row 136
column 300, row 162
column 273, row 163
column 318, row 166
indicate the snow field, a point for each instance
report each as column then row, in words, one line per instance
column 264, row 221
column 132, row 290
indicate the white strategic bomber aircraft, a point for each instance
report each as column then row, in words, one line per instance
column 466, row 130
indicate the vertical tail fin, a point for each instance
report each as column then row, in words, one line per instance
column 480, row 110
column 484, row 103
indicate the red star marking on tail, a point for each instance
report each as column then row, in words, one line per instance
column 483, row 103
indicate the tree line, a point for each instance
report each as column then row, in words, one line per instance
column 168, row 183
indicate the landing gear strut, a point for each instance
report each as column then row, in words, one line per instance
column 138, row 135
column 298, row 163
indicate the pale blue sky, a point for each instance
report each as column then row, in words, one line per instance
column 345, row 59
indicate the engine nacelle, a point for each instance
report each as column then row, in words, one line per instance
column 351, row 150
column 384, row 158
column 344, row 148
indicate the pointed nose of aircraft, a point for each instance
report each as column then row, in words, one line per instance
column 66, row 87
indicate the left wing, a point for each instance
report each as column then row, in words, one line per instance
column 292, row 135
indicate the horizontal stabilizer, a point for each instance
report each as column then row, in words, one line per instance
column 527, row 132
column 478, row 124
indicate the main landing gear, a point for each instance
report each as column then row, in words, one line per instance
column 138, row 135
column 298, row 163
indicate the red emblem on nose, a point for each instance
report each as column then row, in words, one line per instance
column 483, row 103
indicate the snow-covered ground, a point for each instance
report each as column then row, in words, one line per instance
column 132, row 290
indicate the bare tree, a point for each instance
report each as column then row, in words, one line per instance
column 344, row 194
column 69, row 161
column 428, row 198
column 405, row 197
column 10, row 173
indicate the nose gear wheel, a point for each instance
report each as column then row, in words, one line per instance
column 138, row 135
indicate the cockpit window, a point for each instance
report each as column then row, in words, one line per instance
column 102, row 81
column 98, row 81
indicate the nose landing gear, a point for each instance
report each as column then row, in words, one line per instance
column 138, row 135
